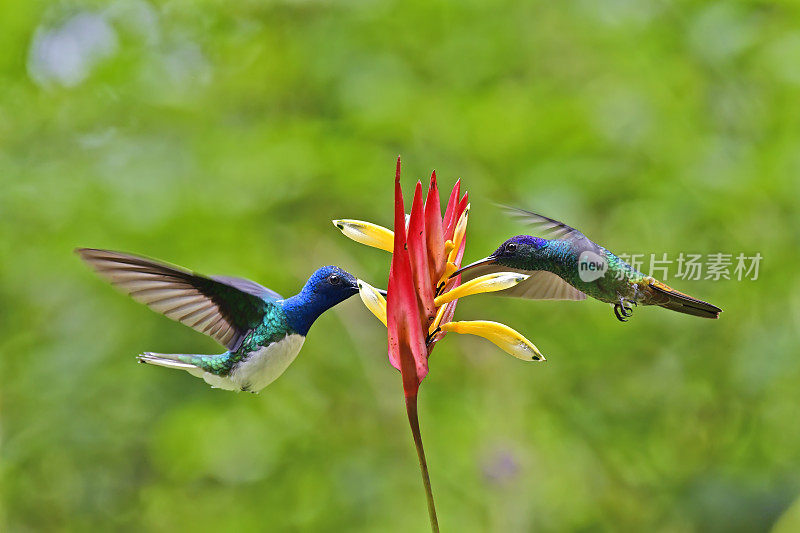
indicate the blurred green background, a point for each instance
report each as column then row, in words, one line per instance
column 224, row 136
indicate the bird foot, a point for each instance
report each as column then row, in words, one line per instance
column 623, row 310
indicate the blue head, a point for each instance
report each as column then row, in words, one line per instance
column 517, row 252
column 326, row 287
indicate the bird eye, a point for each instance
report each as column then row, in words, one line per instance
column 511, row 247
column 334, row 279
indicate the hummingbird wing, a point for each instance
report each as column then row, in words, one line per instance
column 548, row 225
column 540, row 285
column 250, row 287
column 556, row 229
column 223, row 308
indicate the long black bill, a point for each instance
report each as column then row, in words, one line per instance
column 485, row 261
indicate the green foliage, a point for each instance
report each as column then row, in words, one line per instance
column 224, row 136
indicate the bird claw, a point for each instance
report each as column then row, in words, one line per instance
column 622, row 311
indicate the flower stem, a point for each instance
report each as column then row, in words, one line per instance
column 413, row 420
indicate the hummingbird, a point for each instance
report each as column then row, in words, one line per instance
column 570, row 266
column 262, row 331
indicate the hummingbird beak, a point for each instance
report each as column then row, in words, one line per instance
column 485, row 261
column 379, row 291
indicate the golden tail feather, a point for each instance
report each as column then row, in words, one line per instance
column 668, row 298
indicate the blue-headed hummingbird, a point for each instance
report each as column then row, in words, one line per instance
column 570, row 266
column 262, row 331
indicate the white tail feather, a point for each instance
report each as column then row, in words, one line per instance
column 169, row 360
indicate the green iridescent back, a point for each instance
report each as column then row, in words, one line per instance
column 273, row 327
column 561, row 256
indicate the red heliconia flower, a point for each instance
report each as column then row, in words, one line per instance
column 427, row 248
column 419, row 262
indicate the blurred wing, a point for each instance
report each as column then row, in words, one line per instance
column 223, row 308
column 548, row 225
column 541, row 285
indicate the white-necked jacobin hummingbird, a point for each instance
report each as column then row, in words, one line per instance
column 570, row 267
column 262, row 331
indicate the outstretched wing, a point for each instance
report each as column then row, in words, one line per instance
column 550, row 226
column 223, row 308
column 250, row 287
column 557, row 230
column 540, row 285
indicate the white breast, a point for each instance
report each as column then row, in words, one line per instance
column 260, row 368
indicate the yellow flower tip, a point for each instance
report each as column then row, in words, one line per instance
column 449, row 268
column 366, row 233
column 497, row 281
column 373, row 300
column 437, row 320
column 458, row 234
column 504, row 337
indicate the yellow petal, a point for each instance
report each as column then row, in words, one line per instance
column 458, row 234
column 367, row 233
column 488, row 283
column 437, row 320
column 503, row 336
column 449, row 268
column 373, row 300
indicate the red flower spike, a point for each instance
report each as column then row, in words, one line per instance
column 407, row 350
column 418, row 254
column 435, row 233
column 421, row 260
column 450, row 215
column 461, row 206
